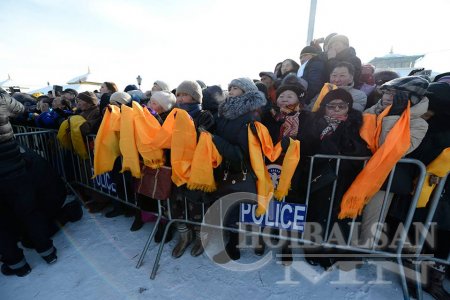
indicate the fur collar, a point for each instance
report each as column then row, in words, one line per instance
column 234, row 107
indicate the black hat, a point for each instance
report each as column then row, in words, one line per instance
column 337, row 94
column 70, row 91
column 297, row 88
column 438, row 94
column 130, row 87
column 268, row 74
column 310, row 50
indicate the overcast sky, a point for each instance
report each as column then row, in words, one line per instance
column 211, row 40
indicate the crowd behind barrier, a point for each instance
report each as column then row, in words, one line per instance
column 78, row 172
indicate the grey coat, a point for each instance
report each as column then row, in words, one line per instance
column 9, row 107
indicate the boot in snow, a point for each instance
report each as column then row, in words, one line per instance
column 185, row 240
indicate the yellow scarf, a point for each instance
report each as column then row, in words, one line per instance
column 439, row 167
column 264, row 184
column 372, row 177
column 206, row 157
column 127, row 142
column 71, row 127
column 327, row 87
column 146, row 128
column 106, row 147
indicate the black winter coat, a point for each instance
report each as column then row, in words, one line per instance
column 315, row 74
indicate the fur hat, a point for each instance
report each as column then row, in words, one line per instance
column 165, row 99
column 244, row 83
column 415, row 85
column 339, row 38
column 334, row 95
column 164, row 86
column 118, row 98
column 192, row 88
column 88, row 97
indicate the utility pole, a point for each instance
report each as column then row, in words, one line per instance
column 312, row 20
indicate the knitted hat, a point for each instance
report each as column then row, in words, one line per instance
column 438, row 94
column 118, row 98
column 244, row 83
column 268, row 74
column 415, row 85
column 165, row 99
column 164, row 86
column 339, row 38
column 334, row 95
column 88, row 97
column 192, row 88
column 310, row 50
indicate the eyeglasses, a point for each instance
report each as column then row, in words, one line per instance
column 340, row 106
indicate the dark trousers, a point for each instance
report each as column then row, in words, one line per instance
column 18, row 202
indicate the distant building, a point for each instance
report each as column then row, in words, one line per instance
column 401, row 64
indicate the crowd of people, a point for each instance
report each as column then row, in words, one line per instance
column 330, row 102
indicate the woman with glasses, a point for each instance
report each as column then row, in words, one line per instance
column 333, row 130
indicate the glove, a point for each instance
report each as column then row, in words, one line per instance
column 205, row 120
column 285, row 142
column 399, row 103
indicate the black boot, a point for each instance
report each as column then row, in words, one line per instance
column 50, row 258
column 115, row 212
column 160, row 232
column 21, row 272
column 71, row 212
column 286, row 252
column 137, row 223
column 201, row 239
column 434, row 286
column 231, row 251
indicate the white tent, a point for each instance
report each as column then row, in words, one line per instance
column 9, row 83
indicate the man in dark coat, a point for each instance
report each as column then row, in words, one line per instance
column 313, row 71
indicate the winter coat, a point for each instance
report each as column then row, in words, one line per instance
column 436, row 139
column 93, row 119
column 418, row 125
column 52, row 119
column 359, row 97
column 347, row 55
column 315, row 74
column 9, row 107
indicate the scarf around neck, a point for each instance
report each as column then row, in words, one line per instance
column 191, row 108
column 333, row 123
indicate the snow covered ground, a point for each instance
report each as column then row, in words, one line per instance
column 97, row 258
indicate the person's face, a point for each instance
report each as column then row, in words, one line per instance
column 57, row 103
column 155, row 106
column 305, row 57
column 156, row 88
column 82, row 105
column 337, row 46
column 234, row 91
column 388, row 97
column 104, row 89
column 341, row 77
column 268, row 82
column 68, row 96
column 183, row 98
column 287, row 98
column 286, row 67
column 45, row 107
column 336, row 108
column 50, row 94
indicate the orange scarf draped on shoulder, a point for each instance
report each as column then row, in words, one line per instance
column 262, row 144
column 206, row 158
column 327, row 87
column 146, row 128
column 106, row 146
column 127, row 143
column 439, row 167
column 371, row 178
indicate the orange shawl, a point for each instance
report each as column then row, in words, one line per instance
column 327, row 87
column 127, row 143
column 262, row 144
column 206, row 157
column 106, row 146
column 372, row 177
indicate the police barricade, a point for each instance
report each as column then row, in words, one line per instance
column 371, row 251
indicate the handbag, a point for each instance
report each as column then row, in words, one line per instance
column 229, row 182
column 155, row 183
column 324, row 176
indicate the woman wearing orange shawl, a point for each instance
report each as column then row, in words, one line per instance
column 388, row 112
column 241, row 108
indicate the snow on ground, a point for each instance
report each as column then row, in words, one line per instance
column 97, row 258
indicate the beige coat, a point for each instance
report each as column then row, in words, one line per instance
column 9, row 107
column 418, row 125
